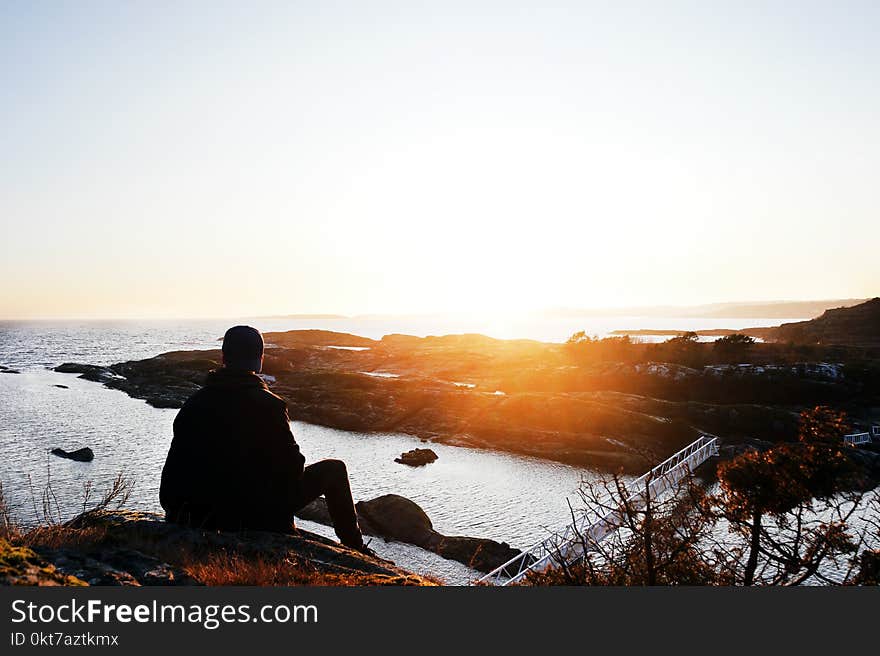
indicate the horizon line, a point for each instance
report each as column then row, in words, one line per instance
column 333, row 316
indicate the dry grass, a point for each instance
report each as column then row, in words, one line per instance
column 8, row 528
column 57, row 536
column 206, row 566
column 233, row 569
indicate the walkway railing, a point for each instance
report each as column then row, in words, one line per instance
column 857, row 438
column 567, row 545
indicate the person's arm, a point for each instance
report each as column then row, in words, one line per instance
column 178, row 474
column 296, row 460
column 284, row 452
column 287, row 461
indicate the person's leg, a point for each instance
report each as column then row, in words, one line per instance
column 330, row 479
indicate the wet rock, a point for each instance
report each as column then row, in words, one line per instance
column 394, row 517
column 87, row 371
column 164, row 402
column 7, row 370
column 417, row 457
column 80, row 455
column 61, row 386
column 477, row 553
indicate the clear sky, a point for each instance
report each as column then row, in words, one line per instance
column 218, row 159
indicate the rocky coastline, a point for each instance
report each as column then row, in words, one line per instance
column 532, row 398
column 611, row 404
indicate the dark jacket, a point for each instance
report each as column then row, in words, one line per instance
column 233, row 462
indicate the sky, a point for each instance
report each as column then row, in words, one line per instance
column 228, row 159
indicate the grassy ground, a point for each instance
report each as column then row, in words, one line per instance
column 121, row 547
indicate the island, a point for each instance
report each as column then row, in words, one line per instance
column 611, row 404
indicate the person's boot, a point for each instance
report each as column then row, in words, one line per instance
column 365, row 549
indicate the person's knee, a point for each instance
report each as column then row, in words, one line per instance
column 336, row 467
column 331, row 469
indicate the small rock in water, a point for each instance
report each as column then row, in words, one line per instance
column 417, row 457
column 7, row 370
column 62, row 386
column 80, row 455
column 164, row 402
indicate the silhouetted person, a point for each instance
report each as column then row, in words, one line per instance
column 233, row 462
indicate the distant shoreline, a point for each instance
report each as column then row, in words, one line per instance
column 729, row 310
column 713, row 332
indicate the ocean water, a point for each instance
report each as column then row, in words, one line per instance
column 480, row 493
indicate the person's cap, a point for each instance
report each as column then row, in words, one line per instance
column 243, row 348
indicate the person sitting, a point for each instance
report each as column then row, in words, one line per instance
column 234, row 463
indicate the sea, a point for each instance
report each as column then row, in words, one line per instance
column 481, row 493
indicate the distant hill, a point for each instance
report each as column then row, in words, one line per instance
column 292, row 338
column 772, row 309
column 741, row 310
column 304, row 316
column 854, row 326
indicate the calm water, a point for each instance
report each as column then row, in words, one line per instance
column 466, row 492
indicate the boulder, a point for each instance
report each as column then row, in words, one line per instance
column 394, row 517
column 417, row 457
column 80, row 455
column 477, row 553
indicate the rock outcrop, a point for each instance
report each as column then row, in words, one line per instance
column 110, row 565
column 165, row 381
column 80, row 455
column 325, row 386
column 394, row 517
column 417, row 457
column 852, row 326
column 131, row 548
